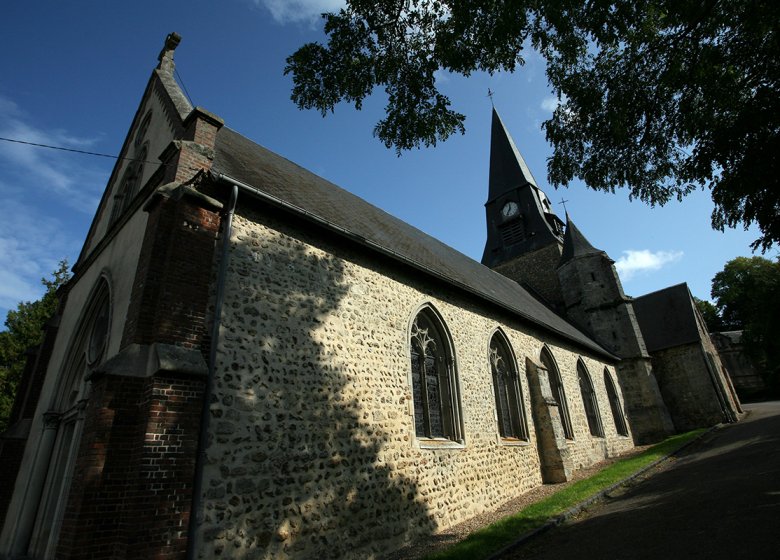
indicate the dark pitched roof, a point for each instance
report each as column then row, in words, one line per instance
column 508, row 169
column 574, row 243
column 282, row 182
column 667, row 318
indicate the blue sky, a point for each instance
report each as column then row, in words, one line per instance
column 73, row 73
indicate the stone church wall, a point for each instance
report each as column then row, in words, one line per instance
column 313, row 450
column 687, row 387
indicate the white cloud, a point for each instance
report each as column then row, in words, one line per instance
column 31, row 245
column 67, row 176
column 550, row 103
column 46, row 194
column 637, row 262
column 297, row 11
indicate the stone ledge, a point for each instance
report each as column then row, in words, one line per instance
column 150, row 360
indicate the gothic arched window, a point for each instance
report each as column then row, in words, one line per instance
column 559, row 394
column 434, row 383
column 509, row 397
column 64, row 420
column 589, row 401
column 614, row 404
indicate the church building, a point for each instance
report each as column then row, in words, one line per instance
column 251, row 362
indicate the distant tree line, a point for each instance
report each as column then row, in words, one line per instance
column 746, row 296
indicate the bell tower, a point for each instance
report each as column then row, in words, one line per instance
column 524, row 236
column 595, row 302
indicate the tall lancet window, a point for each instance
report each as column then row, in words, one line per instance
column 614, row 404
column 589, row 401
column 64, row 419
column 506, row 384
column 434, row 383
column 556, row 385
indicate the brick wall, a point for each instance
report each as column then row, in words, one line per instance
column 132, row 483
column 170, row 292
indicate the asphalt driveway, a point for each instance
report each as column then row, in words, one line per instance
column 719, row 499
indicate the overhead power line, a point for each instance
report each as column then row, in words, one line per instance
column 62, row 148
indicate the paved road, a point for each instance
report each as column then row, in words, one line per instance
column 720, row 500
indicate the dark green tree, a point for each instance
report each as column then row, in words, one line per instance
column 747, row 296
column 657, row 96
column 710, row 315
column 25, row 329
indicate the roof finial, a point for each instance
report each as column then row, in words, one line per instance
column 166, row 54
column 490, row 95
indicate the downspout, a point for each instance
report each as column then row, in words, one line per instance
column 196, row 510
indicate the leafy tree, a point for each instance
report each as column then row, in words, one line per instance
column 747, row 296
column 657, row 96
column 710, row 315
column 25, row 329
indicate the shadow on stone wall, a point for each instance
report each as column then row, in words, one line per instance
column 295, row 464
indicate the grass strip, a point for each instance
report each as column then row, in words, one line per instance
column 484, row 542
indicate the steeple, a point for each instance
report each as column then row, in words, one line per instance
column 508, row 169
column 524, row 236
column 574, row 243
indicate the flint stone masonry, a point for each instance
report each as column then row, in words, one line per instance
column 312, row 447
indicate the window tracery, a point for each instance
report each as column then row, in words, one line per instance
column 434, row 384
column 506, row 385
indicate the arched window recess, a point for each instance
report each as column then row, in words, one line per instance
column 437, row 412
column 558, row 392
column 614, row 405
column 506, row 386
column 589, row 401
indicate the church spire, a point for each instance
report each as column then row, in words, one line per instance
column 508, row 169
column 574, row 243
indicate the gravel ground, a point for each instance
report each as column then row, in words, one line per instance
column 451, row 535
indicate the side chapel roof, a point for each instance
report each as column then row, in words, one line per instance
column 667, row 317
column 289, row 185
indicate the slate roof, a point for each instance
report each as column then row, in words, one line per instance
column 289, row 185
column 574, row 243
column 667, row 318
column 508, row 169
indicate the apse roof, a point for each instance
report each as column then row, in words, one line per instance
column 574, row 243
column 286, row 184
column 667, row 318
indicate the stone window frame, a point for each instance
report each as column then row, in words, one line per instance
column 513, row 391
column 547, row 359
column 621, row 426
column 143, row 128
column 65, row 417
column 133, row 175
column 451, row 409
column 589, row 400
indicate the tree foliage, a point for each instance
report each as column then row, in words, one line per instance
column 747, row 296
column 710, row 315
column 657, row 96
column 24, row 330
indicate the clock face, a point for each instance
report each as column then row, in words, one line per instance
column 509, row 209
